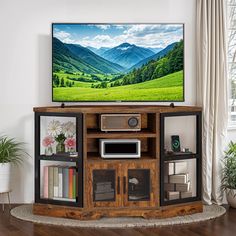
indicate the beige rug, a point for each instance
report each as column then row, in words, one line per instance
column 24, row 212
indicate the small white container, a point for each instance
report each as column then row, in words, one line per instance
column 5, row 170
column 231, row 197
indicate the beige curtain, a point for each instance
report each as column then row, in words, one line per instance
column 212, row 92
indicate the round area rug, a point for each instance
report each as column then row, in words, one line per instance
column 24, row 212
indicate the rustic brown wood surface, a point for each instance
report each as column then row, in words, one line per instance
column 116, row 109
column 96, row 213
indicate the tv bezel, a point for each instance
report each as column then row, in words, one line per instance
column 118, row 101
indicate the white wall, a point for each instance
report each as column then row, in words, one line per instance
column 25, row 58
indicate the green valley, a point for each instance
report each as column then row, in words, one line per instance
column 168, row 88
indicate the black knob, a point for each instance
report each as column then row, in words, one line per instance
column 133, row 122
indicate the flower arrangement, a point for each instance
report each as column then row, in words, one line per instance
column 61, row 133
column 70, row 144
column 48, row 142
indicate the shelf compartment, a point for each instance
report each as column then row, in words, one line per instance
column 58, row 134
column 148, row 145
column 148, row 122
column 59, row 182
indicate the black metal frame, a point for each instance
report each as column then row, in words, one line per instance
column 197, row 156
column 78, row 160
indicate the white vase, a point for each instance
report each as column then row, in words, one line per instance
column 5, row 170
column 231, row 197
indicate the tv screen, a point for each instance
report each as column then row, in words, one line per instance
column 117, row 62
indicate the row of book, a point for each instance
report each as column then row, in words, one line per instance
column 177, row 184
column 59, row 183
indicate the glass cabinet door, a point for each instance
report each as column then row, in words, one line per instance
column 103, row 185
column 138, row 185
column 181, row 154
column 59, row 158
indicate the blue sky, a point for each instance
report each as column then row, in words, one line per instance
column 111, row 35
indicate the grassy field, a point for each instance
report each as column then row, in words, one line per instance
column 169, row 87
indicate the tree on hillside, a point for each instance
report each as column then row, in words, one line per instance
column 154, row 69
column 56, row 80
column 62, row 82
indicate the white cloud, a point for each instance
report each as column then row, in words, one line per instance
column 63, row 36
column 103, row 27
column 156, row 36
column 120, row 26
column 142, row 30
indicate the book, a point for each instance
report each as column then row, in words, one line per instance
column 177, row 187
column 65, row 173
column 71, row 182
column 179, row 179
column 182, row 187
column 169, row 186
column 172, row 195
column 186, row 194
column 55, row 182
column 173, row 168
column 103, row 187
column 50, row 182
column 104, row 196
column 60, row 182
column 74, row 183
column 45, row 181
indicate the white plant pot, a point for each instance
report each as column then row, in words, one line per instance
column 5, row 170
column 231, row 197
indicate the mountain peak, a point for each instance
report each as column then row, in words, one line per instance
column 125, row 45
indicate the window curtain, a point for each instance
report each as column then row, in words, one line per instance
column 212, row 92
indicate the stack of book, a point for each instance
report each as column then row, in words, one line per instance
column 176, row 178
column 104, row 191
column 59, row 183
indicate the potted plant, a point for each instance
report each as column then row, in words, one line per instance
column 11, row 152
column 229, row 174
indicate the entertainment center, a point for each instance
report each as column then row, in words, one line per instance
column 74, row 181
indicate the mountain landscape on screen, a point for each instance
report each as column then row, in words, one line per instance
column 130, row 62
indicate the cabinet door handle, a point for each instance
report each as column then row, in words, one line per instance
column 124, row 184
column 118, row 185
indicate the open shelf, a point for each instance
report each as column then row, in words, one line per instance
column 55, row 157
column 59, row 202
column 95, row 156
column 180, row 156
column 95, row 133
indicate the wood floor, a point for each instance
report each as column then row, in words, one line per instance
column 222, row 226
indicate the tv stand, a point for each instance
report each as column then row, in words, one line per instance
column 116, row 187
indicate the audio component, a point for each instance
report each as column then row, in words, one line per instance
column 120, row 148
column 120, row 122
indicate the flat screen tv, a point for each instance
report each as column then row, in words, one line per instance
column 117, row 62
